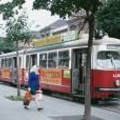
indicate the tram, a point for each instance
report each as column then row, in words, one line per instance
column 62, row 67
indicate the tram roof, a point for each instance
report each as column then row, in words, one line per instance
column 107, row 40
column 75, row 43
column 12, row 54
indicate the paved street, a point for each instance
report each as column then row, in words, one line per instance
column 54, row 109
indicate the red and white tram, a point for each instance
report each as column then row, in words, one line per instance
column 62, row 67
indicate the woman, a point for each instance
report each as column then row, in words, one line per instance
column 34, row 83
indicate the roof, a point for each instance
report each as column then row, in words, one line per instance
column 54, row 25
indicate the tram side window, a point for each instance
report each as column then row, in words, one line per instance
column 33, row 59
column 20, row 60
column 6, row 62
column 10, row 62
column 63, row 59
column 2, row 63
column 43, row 60
column 52, row 60
column 14, row 62
column 27, row 61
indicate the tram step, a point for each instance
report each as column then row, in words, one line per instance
column 79, row 89
column 79, row 96
column 61, row 96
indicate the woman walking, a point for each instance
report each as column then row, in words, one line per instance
column 34, row 84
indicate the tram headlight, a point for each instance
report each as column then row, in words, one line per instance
column 117, row 83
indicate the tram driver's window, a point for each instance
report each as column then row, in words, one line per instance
column 63, row 61
column 108, row 59
column 43, row 60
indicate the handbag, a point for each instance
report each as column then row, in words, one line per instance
column 38, row 95
column 27, row 98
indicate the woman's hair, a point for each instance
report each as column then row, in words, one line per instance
column 34, row 69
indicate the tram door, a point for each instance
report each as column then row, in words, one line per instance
column 13, row 66
column 31, row 60
column 78, row 75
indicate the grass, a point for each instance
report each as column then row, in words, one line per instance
column 15, row 98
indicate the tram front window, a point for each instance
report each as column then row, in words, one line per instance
column 108, row 59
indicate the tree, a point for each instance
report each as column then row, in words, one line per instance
column 7, row 11
column 108, row 18
column 7, row 8
column 17, row 30
column 71, row 8
column 6, row 46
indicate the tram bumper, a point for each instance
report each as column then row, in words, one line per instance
column 105, row 94
column 109, row 89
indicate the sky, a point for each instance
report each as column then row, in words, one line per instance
column 37, row 19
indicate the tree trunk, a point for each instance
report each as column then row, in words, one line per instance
column 87, row 112
column 17, row 69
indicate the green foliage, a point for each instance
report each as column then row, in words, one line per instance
column 7, row 8
column 17, row 30
column 66, row 7
column 6, row 46
column 108, row 18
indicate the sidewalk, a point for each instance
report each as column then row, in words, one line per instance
column 54, row 109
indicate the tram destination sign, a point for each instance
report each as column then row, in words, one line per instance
column 113, row 46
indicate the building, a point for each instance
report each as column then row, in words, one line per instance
column 59, row 27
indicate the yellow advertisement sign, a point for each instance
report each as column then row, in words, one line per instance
column 51, row 76
column 46, row 41
column 66, row 74
column 5, row 74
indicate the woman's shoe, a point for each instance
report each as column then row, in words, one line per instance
column 39, row 109
column 26, row 107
